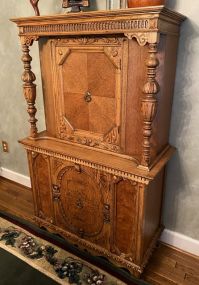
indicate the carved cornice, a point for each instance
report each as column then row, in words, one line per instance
column 143, row 30
column 91, row 26
column 142, row 23
column 110, row 170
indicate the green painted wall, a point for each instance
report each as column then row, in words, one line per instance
column 182, row 195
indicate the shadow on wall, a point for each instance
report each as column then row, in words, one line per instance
column 178, row 182
column 171, row 4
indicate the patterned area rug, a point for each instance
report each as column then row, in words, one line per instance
column 58, row 264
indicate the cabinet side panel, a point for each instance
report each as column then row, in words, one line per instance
column 167, row 55
column 126, row 218
column 152, row 210
column 41, row 172
column 137, row 72
column 47, row 84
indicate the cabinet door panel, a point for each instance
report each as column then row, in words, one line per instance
column 92, row 73
column 87, row 78
column 80, row 204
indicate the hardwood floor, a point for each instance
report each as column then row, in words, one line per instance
column 16, row 199
column 171, row 266
column 168, row 266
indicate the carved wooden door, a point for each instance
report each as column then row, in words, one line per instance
column 88, row 98
column 82, row 203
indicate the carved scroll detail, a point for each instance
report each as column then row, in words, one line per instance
column 103, row 26
column 143, row 38
column 29, row 87
column 149, row 103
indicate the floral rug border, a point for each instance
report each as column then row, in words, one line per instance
column 58, row 264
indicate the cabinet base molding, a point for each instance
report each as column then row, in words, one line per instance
column 119, row 261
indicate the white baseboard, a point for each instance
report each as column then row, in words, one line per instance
column 16, row 177
column 172, row 238
column 180, row 241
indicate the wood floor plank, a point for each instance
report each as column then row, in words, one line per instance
column 179, row 255
column 168, row 272
column 156, row 279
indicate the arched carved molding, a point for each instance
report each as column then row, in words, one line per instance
column 28, row 77
column 149, row 103
column 144, row 38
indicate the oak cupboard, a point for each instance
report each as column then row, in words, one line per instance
column 97, row 171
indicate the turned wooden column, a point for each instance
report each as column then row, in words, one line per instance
column 29, row 87
column 149, row 103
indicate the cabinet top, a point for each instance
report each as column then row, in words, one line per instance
column 157, row 19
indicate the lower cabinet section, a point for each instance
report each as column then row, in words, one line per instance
column 108, row 215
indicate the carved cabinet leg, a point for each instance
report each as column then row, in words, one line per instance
column 29, row 87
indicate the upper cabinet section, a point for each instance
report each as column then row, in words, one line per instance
column 108, row 79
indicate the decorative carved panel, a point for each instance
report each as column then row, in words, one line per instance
column 93, row 116
column 79, row 202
